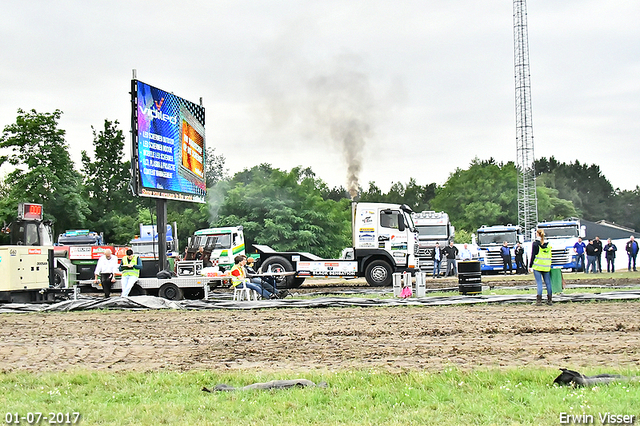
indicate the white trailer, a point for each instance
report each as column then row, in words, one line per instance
column 189, row 282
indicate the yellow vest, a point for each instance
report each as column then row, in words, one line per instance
column 134, row 261
column 237, row 280
column 542, row 262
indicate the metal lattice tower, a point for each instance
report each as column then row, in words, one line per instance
column 527, row 197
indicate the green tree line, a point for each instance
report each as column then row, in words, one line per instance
column 290, row 210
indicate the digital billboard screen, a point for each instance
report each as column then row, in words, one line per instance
column 169, row 145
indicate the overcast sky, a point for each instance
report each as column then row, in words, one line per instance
column 429, row 84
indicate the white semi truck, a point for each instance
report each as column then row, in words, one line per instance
column 384, row 241
column 490, row 239
column 433, row 227
column 562, row 236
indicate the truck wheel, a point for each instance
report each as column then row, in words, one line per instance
column 280, row 264
column 170, row 291
column 58, row 278
column 378, row 273
column 297, row 282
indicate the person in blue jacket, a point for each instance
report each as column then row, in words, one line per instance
column 579, row 248
column 505, row 253
column 632, row 251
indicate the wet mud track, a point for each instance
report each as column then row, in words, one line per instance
column 570, row 335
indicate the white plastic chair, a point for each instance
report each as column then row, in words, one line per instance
column 242, row 292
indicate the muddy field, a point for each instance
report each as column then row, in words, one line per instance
column 572, row 335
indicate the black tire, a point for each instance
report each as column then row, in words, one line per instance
column 280, row 264
column 297, row 282
column 58, row 278
column 170, row 291
column 378, row 273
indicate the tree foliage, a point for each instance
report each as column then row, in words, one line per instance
column 484, row 194
column 106, row 180
column 418, row 197
column 625, row 208
column 583, row 185
column 214, row 167
column 286, row 211
column 43, row 171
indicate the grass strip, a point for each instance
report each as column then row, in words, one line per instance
column 363, row 397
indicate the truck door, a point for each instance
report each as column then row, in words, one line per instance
column 392, row 235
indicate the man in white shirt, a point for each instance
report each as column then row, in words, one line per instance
column 106, row 271
column 465, row 253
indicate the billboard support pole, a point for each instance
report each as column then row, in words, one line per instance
column 161, row 207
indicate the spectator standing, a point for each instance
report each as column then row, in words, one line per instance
column 436, row 256
column 591, row 258
column 451, row 252
column 632, row 251
column 519, row 253
column 541, row 266
column 465, row 253
column 610, row 254
column 505, row 253
column 598, row 245
column 106, row 269
column 579, row 249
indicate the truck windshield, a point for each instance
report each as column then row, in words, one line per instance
column 561, row 232
column 432, row 232
column 490, row 238
column 409, row 221
column 212, row 242
column 46, row 235
column 31, row 235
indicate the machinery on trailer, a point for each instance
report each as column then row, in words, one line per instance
column 384, row 241
column 30, row 271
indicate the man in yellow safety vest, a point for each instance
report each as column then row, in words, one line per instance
column 130, row 267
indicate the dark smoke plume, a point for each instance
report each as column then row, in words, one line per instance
column 331, row 102
column 342, row 105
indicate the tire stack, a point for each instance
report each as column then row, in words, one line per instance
column 469, row 277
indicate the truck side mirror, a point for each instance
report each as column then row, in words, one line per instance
column 401, row 226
